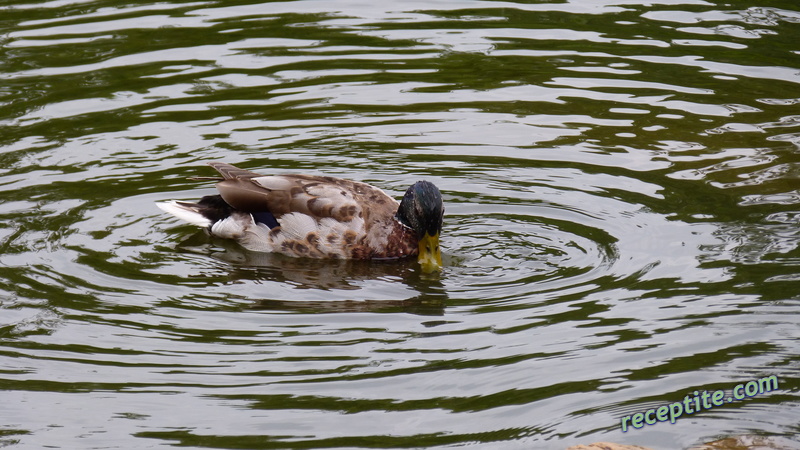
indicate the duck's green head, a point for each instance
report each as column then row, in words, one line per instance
column 422, row 210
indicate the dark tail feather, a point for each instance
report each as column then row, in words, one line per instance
column 210, row 210
column 212, row 207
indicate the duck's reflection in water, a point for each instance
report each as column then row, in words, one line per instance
column 326, row 275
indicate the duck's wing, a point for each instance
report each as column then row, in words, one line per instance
column 230, row 172
column 315, row 196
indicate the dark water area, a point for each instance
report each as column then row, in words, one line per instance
column 622, row 184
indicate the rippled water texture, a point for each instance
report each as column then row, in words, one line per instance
column 623, row 206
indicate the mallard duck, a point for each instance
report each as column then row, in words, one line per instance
column 318, row 216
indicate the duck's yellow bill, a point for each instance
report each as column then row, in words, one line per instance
column 430, row 257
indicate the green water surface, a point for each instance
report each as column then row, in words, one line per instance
column 622, row 184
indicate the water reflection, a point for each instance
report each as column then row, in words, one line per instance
column 326, row 275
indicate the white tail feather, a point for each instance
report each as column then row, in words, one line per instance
column 184, row 212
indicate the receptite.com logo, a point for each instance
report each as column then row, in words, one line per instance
column 700, row 401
